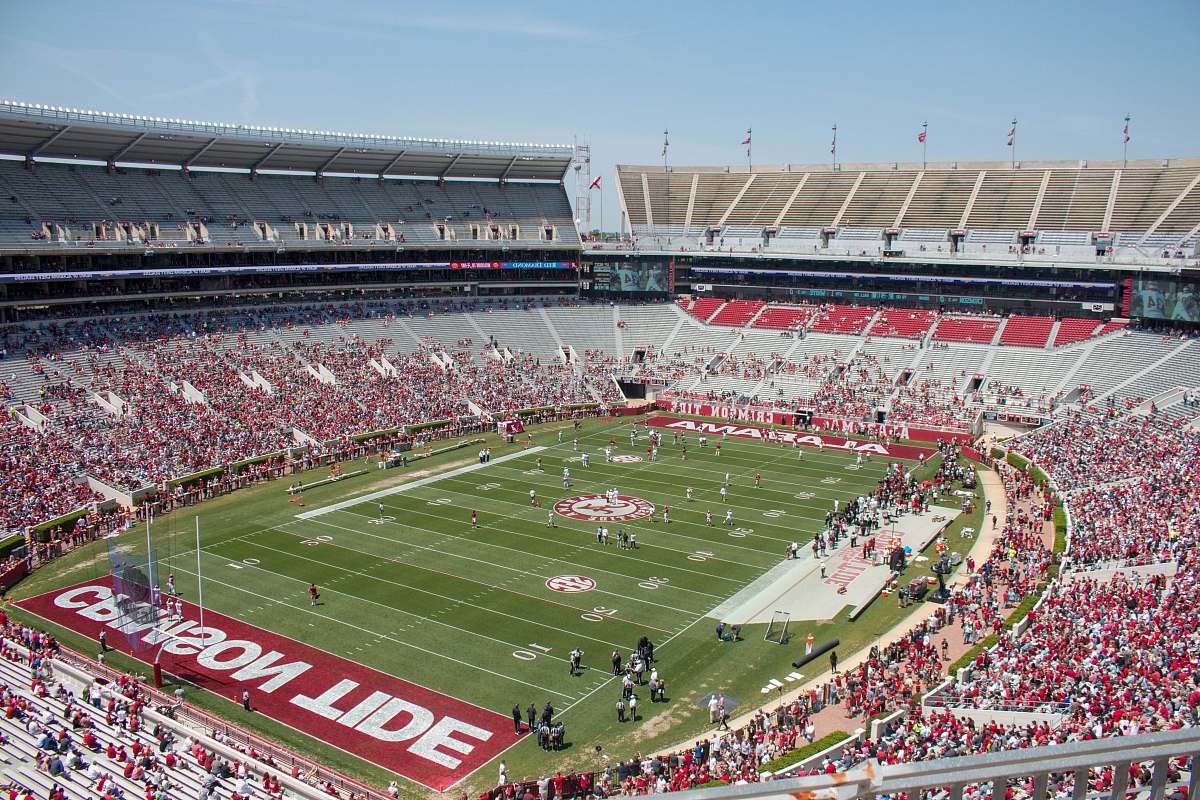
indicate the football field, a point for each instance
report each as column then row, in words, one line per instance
column 471, row 612
column 486, row 615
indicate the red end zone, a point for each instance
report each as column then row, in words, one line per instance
column 791, row 437
column 421, row 734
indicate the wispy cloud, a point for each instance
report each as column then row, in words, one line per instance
column 242, row 73
column 79, row 64
column 388, row 19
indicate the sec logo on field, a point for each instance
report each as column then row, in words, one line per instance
column 570, row 584
column 596, row 508
column 626, row 459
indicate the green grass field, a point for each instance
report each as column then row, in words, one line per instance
column 423, row 596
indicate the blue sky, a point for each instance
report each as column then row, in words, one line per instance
column 616, row 74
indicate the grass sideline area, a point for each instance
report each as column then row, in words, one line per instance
column 428, row 563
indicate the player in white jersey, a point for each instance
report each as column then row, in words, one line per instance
column 585, row 459
column 724, row 492
column 689, row 494
column 729, row 517
column 708, row 518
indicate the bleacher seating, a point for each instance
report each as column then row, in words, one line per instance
column 903, row 323
column 1026, row 331
column 1073, row 329
column 79, row 197
column 979, row 330
column 779, row 317
column 703, row 308
column 736, row 313
column 843, row 319
column 993, row 202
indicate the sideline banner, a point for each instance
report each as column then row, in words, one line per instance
column 700, row 408
column 820, row 441
column 426, row 736
column 772, row 416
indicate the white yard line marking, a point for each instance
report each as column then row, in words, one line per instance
column 452, row 600
column 522, row 572
column 567, row 524
column 302, row 610
column 367, row 498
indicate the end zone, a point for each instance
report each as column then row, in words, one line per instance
column 424, row 735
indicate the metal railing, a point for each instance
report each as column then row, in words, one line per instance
column 1045, row 770
column 141, row 123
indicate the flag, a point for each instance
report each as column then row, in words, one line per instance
column 665, row 143
column 1126, row 133
column 833, row 144
column 595, row 183
column 921, row 137
column 747, row 139
column 1010, row 141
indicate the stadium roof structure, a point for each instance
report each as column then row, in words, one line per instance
column 40, row 131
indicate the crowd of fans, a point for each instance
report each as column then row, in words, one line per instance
column 192, row 392
column 1105, row 653
column 95, row 740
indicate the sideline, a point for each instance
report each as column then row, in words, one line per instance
column 993, row 490
column 367, row 498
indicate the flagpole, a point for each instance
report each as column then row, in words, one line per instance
column 149, row 562
column 833, row 146
column 1125, row 144
column 199, row 581
column 1013, row 143
column 749, row 144
column 924, row 143
column 667, row 173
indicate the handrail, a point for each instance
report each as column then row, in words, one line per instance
column 1072, row 760
column 209, row 722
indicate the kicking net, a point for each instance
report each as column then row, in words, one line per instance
column 135, row 593
column 777, row 631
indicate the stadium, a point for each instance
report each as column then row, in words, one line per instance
column 375, row 466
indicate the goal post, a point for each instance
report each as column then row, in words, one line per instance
column 777, row 631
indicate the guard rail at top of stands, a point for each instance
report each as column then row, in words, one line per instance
column 948, row 777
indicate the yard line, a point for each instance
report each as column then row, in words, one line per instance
column 568, row 527
column 559, row 542
column 453, row 600
column 493, row 586
column 858, row 485
column 582, row 486
column 702, row 541
column 740, row 447
column 367, row 498
column 491, row 563
column 756, row 467
column 670, row 639
column 663, row 467
column 377, row 634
